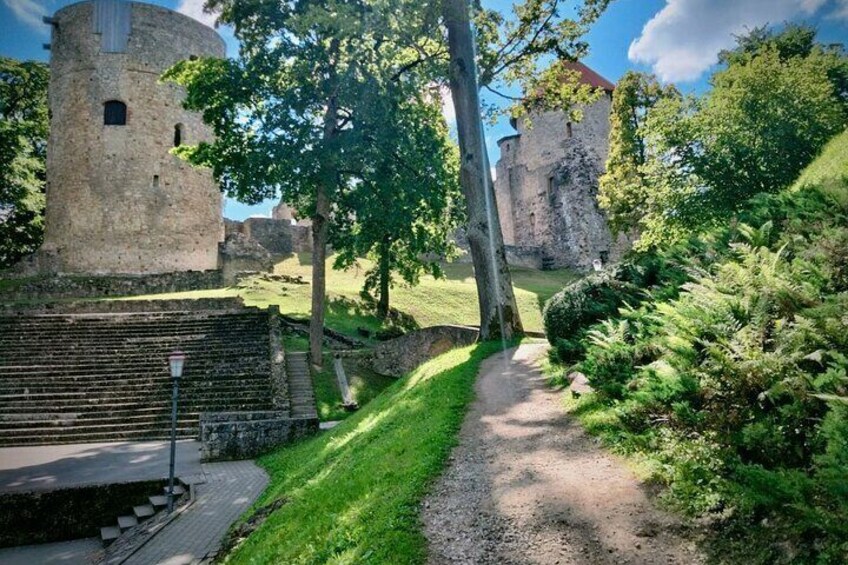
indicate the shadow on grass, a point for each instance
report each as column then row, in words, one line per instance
column 353, row 492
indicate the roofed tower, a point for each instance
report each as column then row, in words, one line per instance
column 546, row 182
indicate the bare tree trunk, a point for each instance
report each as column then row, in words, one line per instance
column 319, row 274
column 320, row 227
column 498, row 310
column 383, row 304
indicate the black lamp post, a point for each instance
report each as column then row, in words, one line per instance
column 176, row 360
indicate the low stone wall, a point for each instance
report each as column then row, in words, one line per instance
column 516, row 255
column 16, row 288
column 398, row 356
column 245, row 435
column 279, row 382
column 124, row 306
column 69, row 513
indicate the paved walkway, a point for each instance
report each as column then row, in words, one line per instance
column 48, row 467
column 229, row 490
column 526, row 485
column 76, row 552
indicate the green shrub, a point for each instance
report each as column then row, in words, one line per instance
column 569, row 313
column 734, row 386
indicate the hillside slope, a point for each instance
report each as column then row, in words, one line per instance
column 732, row 389
column 352, row 494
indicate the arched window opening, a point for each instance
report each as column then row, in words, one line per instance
column 178, row 135
column 114, row 113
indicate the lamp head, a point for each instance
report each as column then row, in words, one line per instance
column 176, row 360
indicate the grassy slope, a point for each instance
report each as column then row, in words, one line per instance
column 352, row 493
column 830, row 167
column 364, row 385
column 829, row 173
column 452, row 300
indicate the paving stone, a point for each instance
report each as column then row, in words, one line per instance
column 196, row 534
column 59, row 553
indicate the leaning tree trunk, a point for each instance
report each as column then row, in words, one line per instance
column 498, row 310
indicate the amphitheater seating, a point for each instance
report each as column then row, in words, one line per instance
column 68, row 378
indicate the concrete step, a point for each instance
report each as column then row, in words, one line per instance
column 103, row 377
column 109, row 534
column 159, row 500
column 127, row 522
column 143, row 511
column 179, row 490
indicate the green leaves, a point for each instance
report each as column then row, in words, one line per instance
column 23, row 142
column 679, row 165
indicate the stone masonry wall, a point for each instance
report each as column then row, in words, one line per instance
column 117, row 200
column 245, row 435
column 278, row 236
column 547, row 183
column 100, row 286
column 398, row 356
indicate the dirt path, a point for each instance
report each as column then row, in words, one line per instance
column 527, row 485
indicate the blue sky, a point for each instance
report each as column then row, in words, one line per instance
column 676, row 39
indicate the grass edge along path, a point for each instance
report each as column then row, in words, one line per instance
column 352, row 494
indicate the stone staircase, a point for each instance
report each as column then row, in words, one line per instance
column 141, row 513
column 301, row 393
column 69, row 378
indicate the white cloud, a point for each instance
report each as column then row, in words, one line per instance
column 194, row 9
column 683, row 39
column 841, row 11
column 29, row 13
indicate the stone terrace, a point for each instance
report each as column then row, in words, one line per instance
column 71, row 378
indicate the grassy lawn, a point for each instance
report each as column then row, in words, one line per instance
column 452, row 300
column 352, row 494
column 364, row 385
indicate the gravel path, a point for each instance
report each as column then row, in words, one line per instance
column 527, row 485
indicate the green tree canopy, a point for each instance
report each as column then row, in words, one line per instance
column 768, row 114
column 406, row 205
column 294, row 114
column 622, row 187
column 23, row 144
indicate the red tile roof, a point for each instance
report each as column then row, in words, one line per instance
column 590, row 77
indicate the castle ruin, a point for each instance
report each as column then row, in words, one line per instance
column 547, row 184
column 118, row 202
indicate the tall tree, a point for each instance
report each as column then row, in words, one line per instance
column 405, row 206
column 498, row 309
column 23, row 142
column 289, row 113
column 508, row 51
column 622, row 186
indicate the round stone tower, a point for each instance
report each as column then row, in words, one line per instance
column 117, row 200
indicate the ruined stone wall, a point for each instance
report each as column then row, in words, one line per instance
column 117, row 200
column 547, row 183
column 278, row 236
column 398, row 356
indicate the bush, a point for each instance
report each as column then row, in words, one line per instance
column 568, row 314
column 735, row 386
